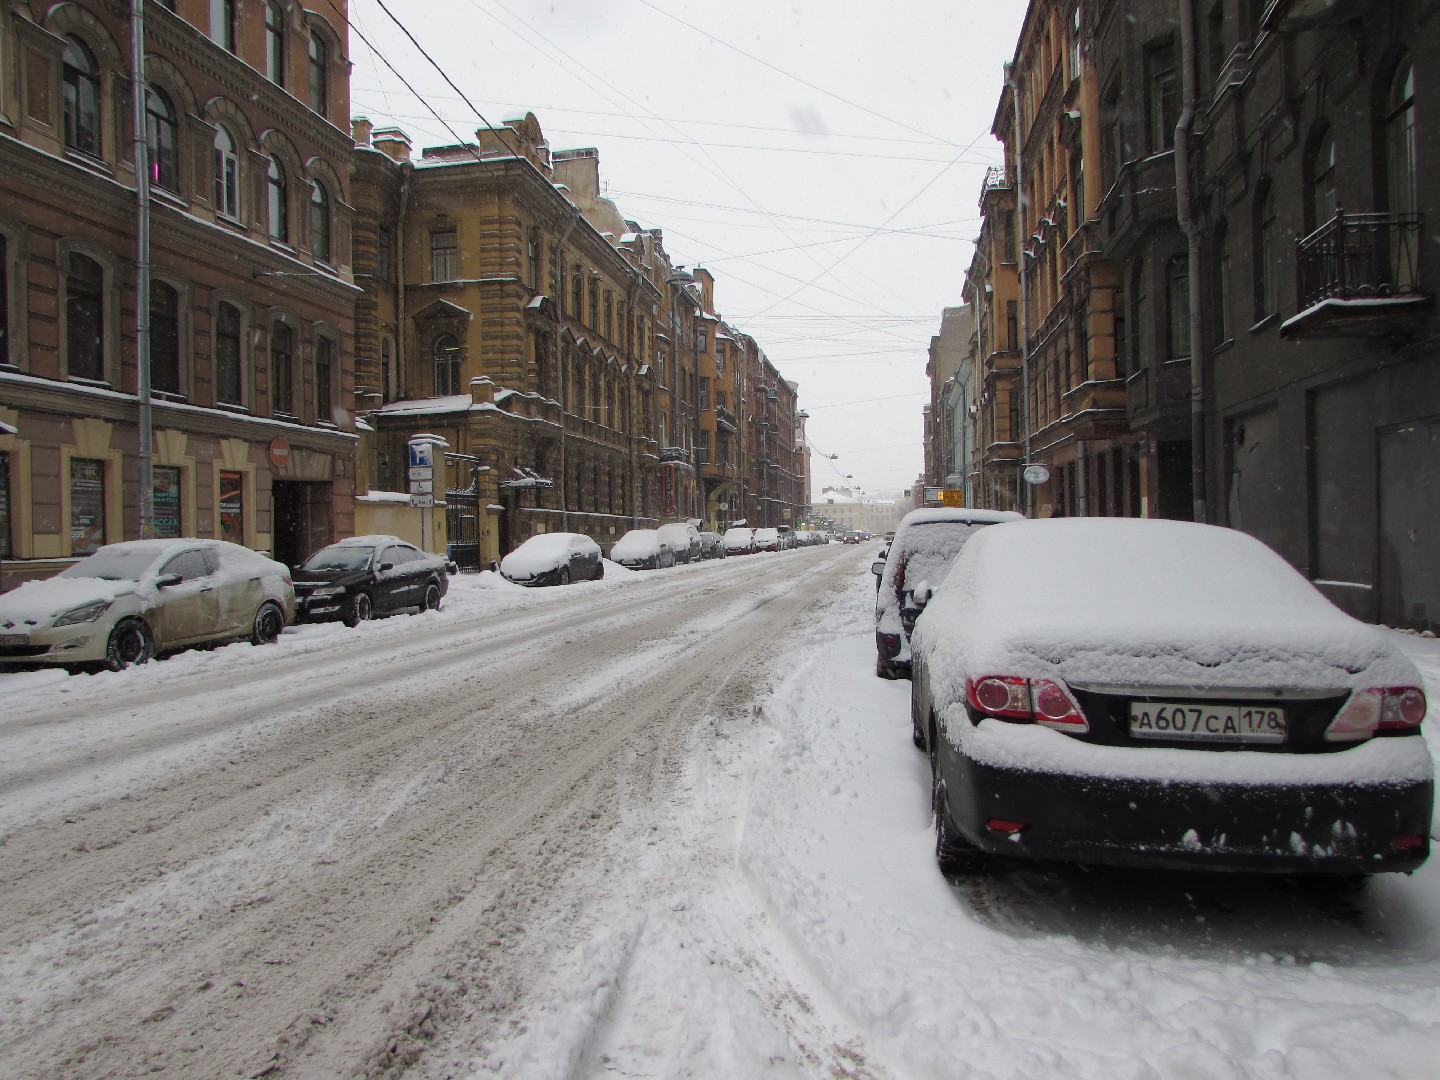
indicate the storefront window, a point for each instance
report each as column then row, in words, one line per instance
column 232, row 507
column 87, row 505
column 165, row 480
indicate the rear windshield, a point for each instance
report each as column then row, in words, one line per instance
column 928, row 548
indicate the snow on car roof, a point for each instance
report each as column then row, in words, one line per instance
column 373, row 539
column 959, row 513
column 1144, row 602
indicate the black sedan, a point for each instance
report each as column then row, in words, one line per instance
column 365, row 576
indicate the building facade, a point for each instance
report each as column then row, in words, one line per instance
column 248, row 311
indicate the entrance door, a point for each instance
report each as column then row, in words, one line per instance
column 290, row 524
column 1410, row 526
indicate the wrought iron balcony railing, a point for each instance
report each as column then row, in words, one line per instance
column 1359, row 257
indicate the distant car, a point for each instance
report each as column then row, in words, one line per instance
column 767, row 540
column 554, row 559
column 356, row 579
column 850, row 538
column 738, row 540
column 917, row 560
column 1163, row 694
column 642, row 549
column 684, row 538
column 786, row 537
column 711, row 546
column 129, row 602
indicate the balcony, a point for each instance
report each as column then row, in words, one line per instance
column 1358, row 275
column 725, row 418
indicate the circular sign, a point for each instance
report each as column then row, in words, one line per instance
column 279, row 451
column 1036, row 474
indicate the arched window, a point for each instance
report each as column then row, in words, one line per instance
column 324, row 379
column 164, row 338
column 282, row 368
column 1267, row 250
column 278, row 187
column 227, row 174
column 82, row 98
column 319, row 70
column 228, row 386
column 162, row 140
column 275, row 43
column 1323, row 198
column 84, row 318
column 447, row 366
column 1400, row 142
column 320, row 222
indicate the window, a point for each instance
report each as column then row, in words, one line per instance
column 164, row 338
column 1267, row 250
column 447, row 366
column 227, row 174
column 165, row 519
column 82, row 98
column 386, row 241
column 320, row 222
column 386, row 393
column 87, row 505
column 319, row 65
column 161, row 140
column 324, row 374
column 1113, row 151
column 275, row 43
column 1177, row 307
column 609, row 317
column 1323, row 199
column 228, row 387
column 577, row 307
column 704, row 391
column 702, row 338
column 1012, row 324
column 282, row 368
column 4, row 300
column 595, row 303
column 532, row 251
column 84, row 318
column 1222, row 284
column 1400, row 143
column 222, row 24
column 6, row 550
column 232, row 507
column 444, row 255
column 278, row 187
column 1164, row 102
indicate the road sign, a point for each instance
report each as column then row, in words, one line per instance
column 422, row 502
column 953, row 497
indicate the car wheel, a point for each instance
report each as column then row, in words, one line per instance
column 917, row 734
column 884, row 670
column 564, row 575
column 269, row 621
column 362, row 609
column 599, row 572
column 431, row 602
column 953, row 852
column 130, row 643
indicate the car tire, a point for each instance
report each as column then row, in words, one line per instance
column 362, row 609
column 431, row 600
column 917, row 733
column 130, row 643
column 269, row 622
column 564, row 576
column 953, row 852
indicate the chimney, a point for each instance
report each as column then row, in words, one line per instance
column 360, row 129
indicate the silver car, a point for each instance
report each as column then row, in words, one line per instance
column 129, row 602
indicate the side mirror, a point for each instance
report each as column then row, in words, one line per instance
column 877, row 567
column 921, row 594
column 168, row 580
column 386, row 566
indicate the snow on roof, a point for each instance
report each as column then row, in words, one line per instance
column 383, row 497
column 959, row 513
column 419, row 406
column 536, row 302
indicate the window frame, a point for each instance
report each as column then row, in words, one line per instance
column 282, row 367
column 226, row 173
column 321, row 225
column 277, row 201
column 221, row 361
column 275, row 43
column 165, row 337
column 446, row 364
column 326, row 351
column 444, row 258
column 81, row 100
column 98, row 317
column 318, row 70
column 162, row 139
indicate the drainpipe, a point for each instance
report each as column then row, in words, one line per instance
column 1024, row 493
column 1185, row 212
column 142, row 264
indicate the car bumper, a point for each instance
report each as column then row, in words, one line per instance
column 84, row 643
column 320, row 608
column 1317, row 825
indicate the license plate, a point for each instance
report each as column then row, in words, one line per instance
column 14, row 639
column 1207, row 722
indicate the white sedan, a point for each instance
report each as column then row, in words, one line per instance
column 129, row 602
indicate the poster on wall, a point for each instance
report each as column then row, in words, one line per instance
column 87, row 505
column 166, row 483
column 232, row 507
column 668, row 506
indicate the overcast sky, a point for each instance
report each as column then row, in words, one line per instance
column 822, row 158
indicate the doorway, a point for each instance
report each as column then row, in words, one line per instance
column 301, row 519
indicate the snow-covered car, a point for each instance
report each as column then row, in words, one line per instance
column 711, row 546
column 1163, row 693
column 642, row 549
column 684, row 538
column 738, row 540
column 767, row 540
column 554, row 559
column 364, row 576
column 126, row 603
column 919, row 556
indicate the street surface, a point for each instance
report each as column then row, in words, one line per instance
column 661, row 825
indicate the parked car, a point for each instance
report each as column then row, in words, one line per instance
column 129, row 602
column 786, row 536
column 767, row 540
column 364, row 576
column 684, row 538
column 642, row 549
column 1163, row 694
column 711, row 546
column 918, row 557
column 554, row 559
column 738, row 540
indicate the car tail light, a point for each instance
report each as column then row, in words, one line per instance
column 1393, row 708
column 1043, row 701
column 891, row 644
column 1408, row 843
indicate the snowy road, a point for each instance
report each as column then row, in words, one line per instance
column 658, row 826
